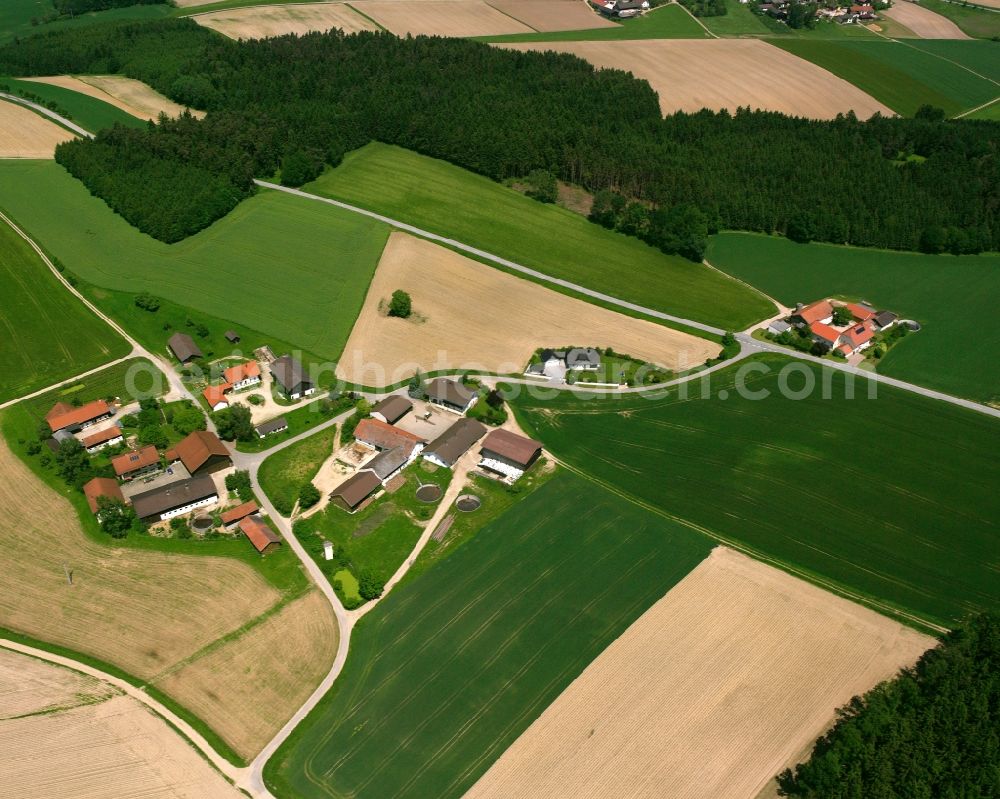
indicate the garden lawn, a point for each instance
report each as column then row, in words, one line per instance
column 952, row 297
column 901, row 76
column 666, row 22
column 890, row 500
column 46, row 334
column 474, row 210
column 87, row 112
column 284, row 473
column 738, row 20
column 283, row 266
column 445, row 673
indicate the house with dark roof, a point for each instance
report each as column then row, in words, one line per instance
column 175, row 499
column 290, row 378
column 101, row 487
column 451, row 394
column 202, row 452
column 583, row 358
column 183, row 347
column 390, row 462
column 884, row 319
column 277, row 425
column 508, row 454
column 352, row 493
column 237, row 514
column 136, row 463
column 392, row 408
column 64, row 416
column 454, row 442
column 108, row 437
column 260, row 534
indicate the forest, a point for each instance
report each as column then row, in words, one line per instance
column 300, row 103
column 74, row 7
column 932, row 733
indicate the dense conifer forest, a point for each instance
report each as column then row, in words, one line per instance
column 302, row 102
column 932, row 733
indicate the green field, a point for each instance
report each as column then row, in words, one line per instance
column 737, row 21
column 950, row 296
column 981, row 23
column 444, row 675
column 48, row 334
column 666, row 22
column 901, row 76
column 282, row 474
column 285, row 267
column 16, row 15
column 891, row 500
column 990, row 112
column 453, row 202
column 87, row 112
column 979, row 56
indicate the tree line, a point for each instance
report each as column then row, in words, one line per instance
column 297, row 104
column 932, row 732
column 73, row 7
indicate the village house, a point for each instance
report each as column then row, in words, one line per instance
column 778, row 327
column 388, row 463
column 175, row 499
column 64, row 416
column 857, row 338
column 136, row 463
column 234, row 516
column 508, row 454
column 201, row 452
column 290, row 378
column 392, row 409
column 583, row 358
column 806, row 315
column 451, row 395
column 824, row 334
column 184, row 348
column 108, row 437
column 353, row 492
column 622, row 9
column 242, row 376
column 860, row 312
column 263, row 538
column 884, row 319
column 215, row 396
column 101, row 487
column 277, row 425
column 453, row 443
column 381, row 436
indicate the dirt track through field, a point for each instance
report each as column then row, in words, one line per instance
column 711, row 692
column 553, row 15
column 690, row 75
column 439, row 17
column 259, row 22
column 25, row 134
column 29, row 686
column 132, row 96
column 924, row 22
column 472, row 316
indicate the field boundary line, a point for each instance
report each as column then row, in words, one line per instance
column 511, row 16
column 977, row 108
column 688, row 12
column 45, row 112
column 950, row 61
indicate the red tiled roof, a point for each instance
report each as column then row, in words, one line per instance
column 242, row 371
column 845, row 348
column 815, row 312
column 135, row 459
column 384, row 436
column 239, row 512
column 101, row 487
column 215, row 394
column 59, row 417
column 260, row 534
column 825, row 332
column 859, row 312
column 105, row 435
column 857, row 335
column 198, row 447
column 512, row 446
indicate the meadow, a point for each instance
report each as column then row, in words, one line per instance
column 889, row 500
column 453, row 202
column 445, row 675
column 282, row 474
column 87, row 112
column 49, row 334
column 286, row 267
column 950, row 296
column 899, row 75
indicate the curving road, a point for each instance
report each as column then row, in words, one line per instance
column 41, row 109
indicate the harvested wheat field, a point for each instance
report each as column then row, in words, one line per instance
column 133, row 96
column 709, row 694
column 25, row 134
column 77, row 85
column 260, row 22
column 924, row 22
column 553, row 15
column 141, row 610
column 103, row 746
column 690, row 75
column 252, row 685
column 439, row 17
column 471, row 316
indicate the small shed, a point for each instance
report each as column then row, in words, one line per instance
column 232, row 336
column 263, row 538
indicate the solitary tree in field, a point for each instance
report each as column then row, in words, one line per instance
column 400, row 305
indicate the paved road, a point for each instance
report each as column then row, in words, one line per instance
column 41, row 109
column 745, row 340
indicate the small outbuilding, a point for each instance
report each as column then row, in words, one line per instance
column 508, row 454
column 232, row 337
column 277, row 425
column 215, row 396
column 236, row 515
column 260, row 534
column 392, row 408
column 778, row 327
column 350, row 494
column 108, row 437
column 884, row 319
column 184, row 348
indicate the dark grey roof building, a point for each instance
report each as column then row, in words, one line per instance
column 183, row 347
column 291, row 377
column 355, row 490
column 583, row 358
column 232, row 336
column 885, row 318
column 387, row 463
column 454, row 442
column 175, row 499
column 450, row 394
column 271, row 426
column 392, row 409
